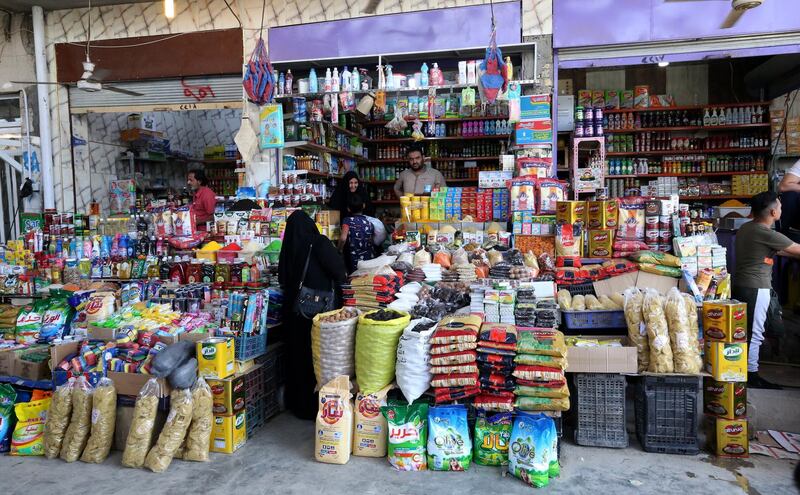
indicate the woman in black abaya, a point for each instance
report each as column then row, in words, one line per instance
column 325, row 269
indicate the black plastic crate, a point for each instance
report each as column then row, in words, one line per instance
column 272, row 402
column 274, row 363
column 254, row 384
column 600, row 406
column 255, row 414
column 668, row 413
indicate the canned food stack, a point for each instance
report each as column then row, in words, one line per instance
column 588, row 121
column 495, row 354
column 453, row 358
column 725, row 392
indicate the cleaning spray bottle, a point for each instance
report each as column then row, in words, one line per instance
column 346, row 79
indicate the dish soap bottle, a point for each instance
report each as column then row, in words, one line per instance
column 313, row 85
column 346, row 79
column 424, row 78
column 436, row 78
column 355, row 81
column 335, row 80
column 328, row 81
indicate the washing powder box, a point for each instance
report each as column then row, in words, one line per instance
column 534, row 107
column 534, row 132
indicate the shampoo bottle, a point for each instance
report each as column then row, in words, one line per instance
column 355, row 81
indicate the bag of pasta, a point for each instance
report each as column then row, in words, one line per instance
column 180, row 416
column 637, row 333
column 657, row 333
column 140, row 435
column 58, row 419
column 104, row 418
column 80, row 422
column 198, row 437
column 685, row 352
column 691, row 313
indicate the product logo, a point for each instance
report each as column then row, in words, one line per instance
column 523, row 450
column 209, row 351
column 600, row 252
column 732, row 352
column 95, row 304
column 238, row 386
column 739, row 314
column 495, row 441
column 714, row 389
column 217, row 389
column 219, row 420
column 734, row 429
column 369, row 408
column 239, row 421
column 714, row 313
column 739, row 389
column 332, row 411
column 448, row 441
column 600, row 237
column 403, row 433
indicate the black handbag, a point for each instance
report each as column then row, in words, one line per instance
column 310, row 302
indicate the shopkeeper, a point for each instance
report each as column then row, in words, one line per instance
column 756, row 245
column 419, row 179
column 204, row 201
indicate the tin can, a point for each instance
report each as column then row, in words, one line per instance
column 215, row 357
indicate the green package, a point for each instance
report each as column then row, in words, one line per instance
column 491, row 438
column 407, row 435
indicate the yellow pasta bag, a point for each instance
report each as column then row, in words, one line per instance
column 657, row 333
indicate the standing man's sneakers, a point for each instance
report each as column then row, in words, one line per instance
column 755, row 381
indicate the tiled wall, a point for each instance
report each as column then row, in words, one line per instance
column 143, row 19
column 97, row 163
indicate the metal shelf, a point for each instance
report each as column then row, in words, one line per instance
column 689, row 152
column 686, row 128
column 445, row 138
column 309, row 146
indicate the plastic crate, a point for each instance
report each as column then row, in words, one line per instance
column 600, row 405
column 254, row 385
column 255, row 414
column 274, row 363
column 272, row 402
column 591, row 319
column 580, row 289
column 250, row 346
column 667, row 413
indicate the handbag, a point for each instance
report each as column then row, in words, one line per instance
column 310, row 302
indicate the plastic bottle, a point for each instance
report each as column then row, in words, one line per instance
column 389, row 77
column 424, row 77
column 706, row 118
column 281, row 83
column 346, row 79
column 714, row 118
column 313, row 85
column 277, row 89
column 328, row 80
column 436, row 77
column 509, row 69
column 289, row 80
column 355, row 79
column 335, row 80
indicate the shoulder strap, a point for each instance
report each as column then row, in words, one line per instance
column 305, row 268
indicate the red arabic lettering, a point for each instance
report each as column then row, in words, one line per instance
column 197, row 92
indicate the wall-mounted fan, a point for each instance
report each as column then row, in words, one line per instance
column 738, row 8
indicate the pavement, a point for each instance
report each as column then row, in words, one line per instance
column 279, row 459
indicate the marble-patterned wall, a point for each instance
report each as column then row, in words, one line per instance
column 97, row 160
column 143, row 19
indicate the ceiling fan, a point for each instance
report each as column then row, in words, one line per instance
column 738, row 8
column 88, row 81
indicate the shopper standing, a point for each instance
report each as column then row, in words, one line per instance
column 349, row 185
column 357, row 235
column 204, row 201
column 756, row 246
column 325, row 270
column 419, row 178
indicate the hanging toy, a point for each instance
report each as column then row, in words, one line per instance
column 494, row 77
column 259, row 83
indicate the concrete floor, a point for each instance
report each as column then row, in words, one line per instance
column 279, row 459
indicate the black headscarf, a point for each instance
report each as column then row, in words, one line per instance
column 342, row 193
column 300, row 233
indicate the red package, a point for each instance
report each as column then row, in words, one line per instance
column 450, row 394
column 501, row 402
column 535, row 383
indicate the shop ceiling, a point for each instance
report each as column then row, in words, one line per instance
column 25, row 6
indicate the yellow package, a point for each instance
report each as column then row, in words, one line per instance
column 732, row 438
column 28, row 436
column 334, row 422
column 215, row 357
column 369, row 426
column 725, row 321
column 229, row 433
column 727, row 362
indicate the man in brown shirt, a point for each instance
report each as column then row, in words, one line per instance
column 756, row 246
column 419, row 179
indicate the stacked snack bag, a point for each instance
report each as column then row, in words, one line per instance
column 495, row 354
column 539, row 371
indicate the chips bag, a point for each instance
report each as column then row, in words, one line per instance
column 533, row 456
column 449, row 448
column 28, row 435
column 407, row 435
column 492, row 434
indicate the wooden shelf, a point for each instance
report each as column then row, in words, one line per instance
column 687, row 107
column 686, row 128
column 694, row 174
column 311, row 173
column 443, row 119
column 308, row 146
column 380, row 182
column 716, row 196
column 342, row 130
column 689, row 152
column 464, row 159
column 445, row 138
column 386, row 202
column 387, row 160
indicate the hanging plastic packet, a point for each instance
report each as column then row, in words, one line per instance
column 467, row 102
column 398, row 123
column 449, row 448
column 417, row 134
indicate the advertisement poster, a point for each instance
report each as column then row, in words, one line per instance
column 122, row 196
column 271, row 126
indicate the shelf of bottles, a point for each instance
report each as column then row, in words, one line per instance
column 688, row 118
column 470, row 129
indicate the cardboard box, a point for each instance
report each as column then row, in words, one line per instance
column 228, row 394
column 215, row 357
column 725, row 321
column 29, row 370
column 727, row 362
column 602, row 359
column 228, row 433
column 534, row 132
column 732, row 438
column 725, row 399
column 534, row 107
column 7, row 361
